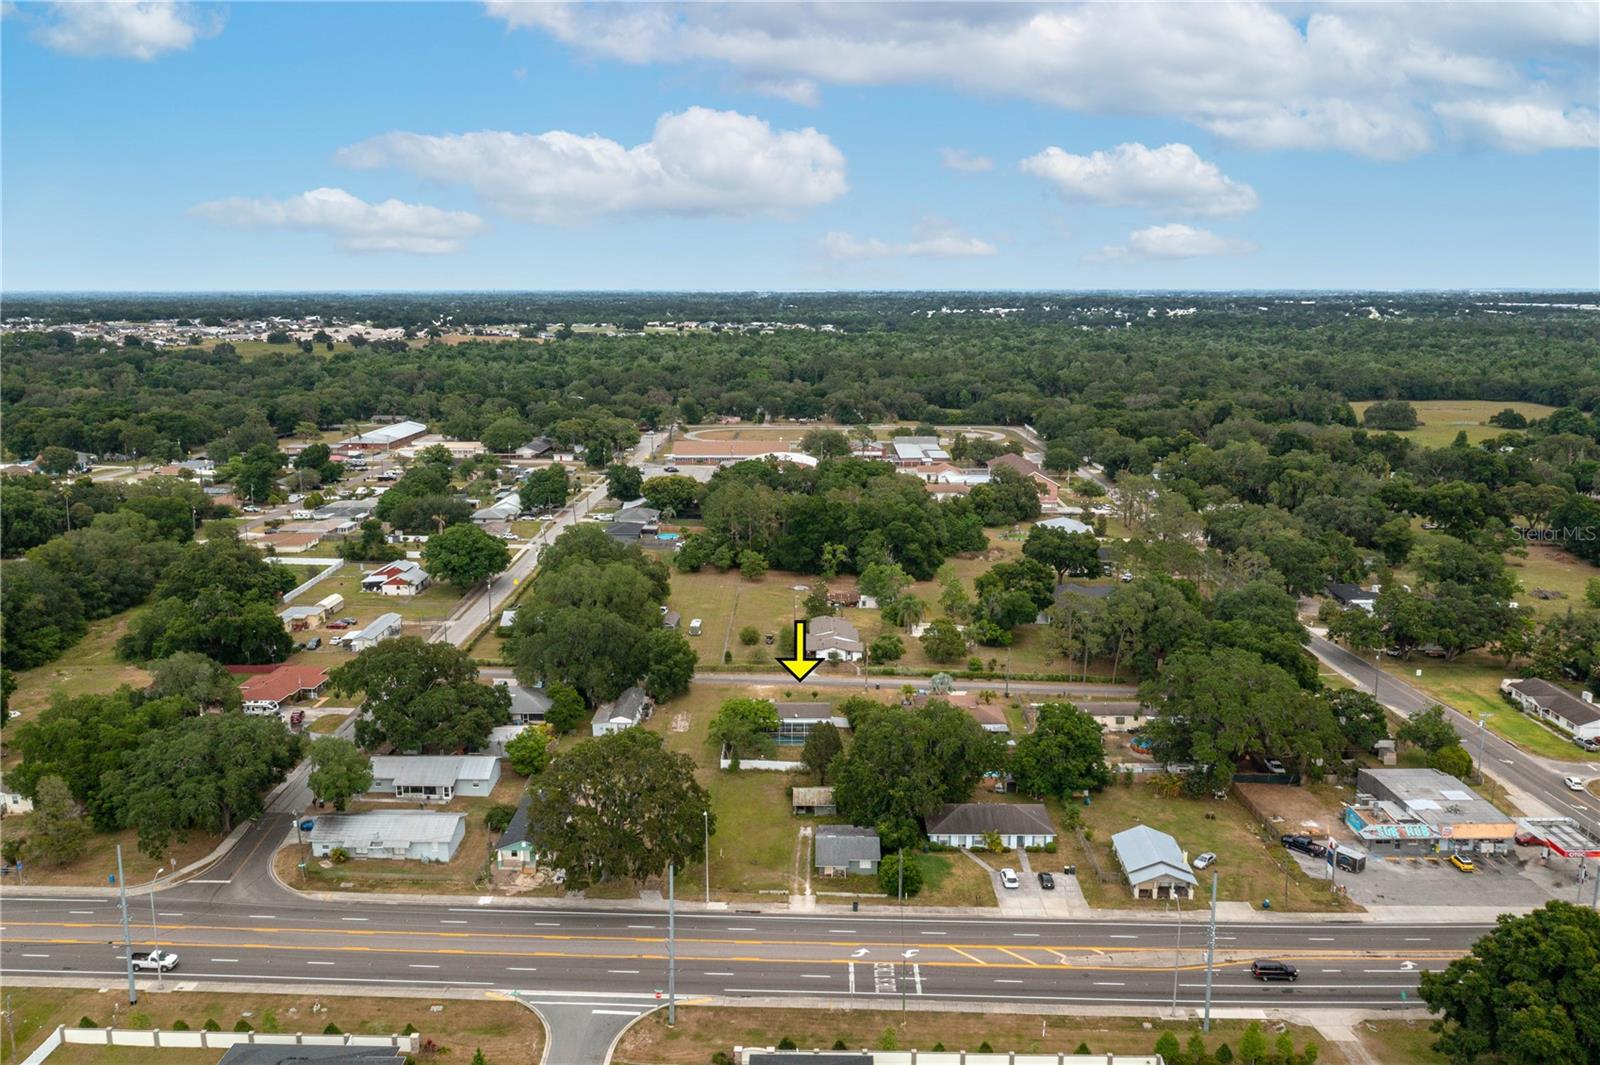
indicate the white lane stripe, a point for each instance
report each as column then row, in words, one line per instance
column 352, row 918
column 547, row 924
column 36, row 955
column 716, row 974
column 170, row 914
column 623, row 972
column 262, row 917
column 843, row 931
column 84, row 912
column 1417, row 939
column 319, row 963
column 452, row 922
column 421, row 966
column 1121, row 937
column 933, row 933
column 815, row 976
column 1109, row 983
column 228, row 961
column 1008, row 981
column 517, row 969
column 741, row 929
column 641, row 926
column 1026, row 935
column 259, row 976
column 616, row 1013
column 1319, row 939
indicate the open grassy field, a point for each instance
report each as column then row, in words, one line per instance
column 1249, row 868
column 1471, row 684
column 703, row 1030
column 99, row 859
column 1550, row 569
column 1442, row 419
column 460, row 875
column 508, row 1033
column 948, row 879
column 89, row 668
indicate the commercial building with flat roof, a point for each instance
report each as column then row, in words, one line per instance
column 1425, row 811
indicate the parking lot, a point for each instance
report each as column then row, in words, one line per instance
column 1509, row 880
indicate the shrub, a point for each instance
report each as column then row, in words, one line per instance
column 721, row 1058
column 985, row 1048
column 180, row 1026
column 211, row 1025
column 749, row 635
column 498, row 816
column 1083, row 1048
column 838, row 1044
column 409, row 1029
column 84, row 1022
column 1167, row 1047
column 787, row 1044
column 242, row 1025
column 752, row 565
column 339, row 855
column 269, row 1021
column 938, row 1048
column 888, row 1040
column 727, row 658
column 332, row 1029
column 1224, row 1055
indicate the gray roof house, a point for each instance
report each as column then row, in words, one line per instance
column 1577, row 715
column 817, row 801
column 1071, row 525
column 434, row 778
column 626, row 711
column 528, row 705
column 1153, row 864
column 965, row 824
column 500, row 510
column 834, row 639
column 1353, row 595
column 421, row 835
column 845, row 850
column 380, row 628
column 513, row 849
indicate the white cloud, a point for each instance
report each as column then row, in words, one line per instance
column 1175, row 241
column 698, row 162
column 1171, row 177
column 354, row 224
column 123, row 28
column 1359, row 78
column 802, row 91
column 963, row 161
column 934, row 239
column 1523, row 126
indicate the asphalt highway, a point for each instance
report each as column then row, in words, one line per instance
column 608, row 957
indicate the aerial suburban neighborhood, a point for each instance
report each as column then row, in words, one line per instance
column 789, row 534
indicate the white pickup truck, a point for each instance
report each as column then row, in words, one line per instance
column 158, row 960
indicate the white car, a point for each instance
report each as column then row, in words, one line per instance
column 1573, row 783
column 1008, row 879
column 1205, row 860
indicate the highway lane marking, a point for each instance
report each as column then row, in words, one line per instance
column 354, row 918
column 649, row 926
column 547, row 924
column 927, row 933
column 816, row 976
column 1109, row 983
column 228, row 881
column 1026, row 935
column 1121, row 937
column 623, row 972
column 518, row 969
column 1008, row 981
column 1333, row 970
column 320, row 963
column 1417, row 939
column 616, row 1013
column 716, row 974
column 36, row 955
column 419, row 966
column 165, row 914
column 1019, row 957
column 229, row 961
column 452, row 922
column 741, row 929
column 842, row 931
column 90, row 912
column 262, row 917
column 1320, row 939
column 969, row 957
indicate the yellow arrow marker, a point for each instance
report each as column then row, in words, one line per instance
column 800, row 666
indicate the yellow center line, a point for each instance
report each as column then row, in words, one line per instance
column 754, row 959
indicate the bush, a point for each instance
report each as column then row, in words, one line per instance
column 889, row 877
column 1224, row 1055
column 974, row 665
column 938, row 1048
column 1167, row 1047
column 180, row 1026
column 409, row 1029
column 211, row 1025
column 269, row 1021
column 985, row 1048
column 84, row 1022
column 242, row 1025
column 749, row 635
column 888, row 1040
column 787, row 1044
column 721, row 1058
column 498, row 816
column 1083, row 1048
column 838, row 1044
column 332, row 1029
column 752, row 565
column 339, row 855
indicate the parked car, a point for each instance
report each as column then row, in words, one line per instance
column 1303, row 844
column 157, row 960
column 1573, row 783
column 1461, row 862
column 1047, row 881
column 1274, row 970
column 1008, row 879
column 1528, row 839
column 338, row 624
column 1586, row 743
column 350, row 621
column 1205, row 860
column 672, row 469
column 1275, row 766
column 313, row 643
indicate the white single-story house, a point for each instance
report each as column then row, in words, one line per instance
column 300, row 618
column 404, row 577
column 528, row 705
column 1071, row 525
column 420, row 835
column 965, row 824
column 1353, row 596
column 1153, row 863
column 434, row 778
column 501, row 510
column 796, row 720
column 383, row 627
column 834, row 639
column 13, row 801
column 626, row 711
column 1575, row 714
column 845, row 850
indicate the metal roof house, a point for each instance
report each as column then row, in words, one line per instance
column 818, row 801
column 380, row 628
column 626, row 711
column 796, row 720
column 420, row 835
column 1153, row 864
column 1541, row 699
column 434, row 778
column 834, row 639
column 384, row 437
column 1019, row 824
column 845, row 850
column 404, row 577
column 500, row 510
column 1071, row 525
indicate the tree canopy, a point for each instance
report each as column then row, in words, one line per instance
column 421, row 697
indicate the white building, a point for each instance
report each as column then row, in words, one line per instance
column 383, row 627
column 434, row 778
column 402, row 578
column 1153, row 863
column 834, row 639
column 966, row 824
column 419, row 835
column 626, row 711
column 1541, row 699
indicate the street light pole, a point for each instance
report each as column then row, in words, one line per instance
column 672, row 948
column 900, row 890
column 1177, row 953
column 127, row 936
column 705, row 815
column 153, row 943
column 1211, row 953
column 1482, row 719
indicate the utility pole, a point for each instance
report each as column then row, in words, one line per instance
column 153, row 944
column 127, row 936
column 1211, row 953
column 1177, row 953
column 900, row 889
column 672, row 948
column 705, row 816
column 1482, row 731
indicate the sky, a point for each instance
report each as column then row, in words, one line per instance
column 252, row 146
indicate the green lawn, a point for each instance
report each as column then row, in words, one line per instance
column 726, row 602
column 90, row 667
column 1442, row 419
column 1250, row 869
column 1551, row 570
column 1400, row 1042
column 1471, row 684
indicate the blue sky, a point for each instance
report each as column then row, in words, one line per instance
column 165, row 146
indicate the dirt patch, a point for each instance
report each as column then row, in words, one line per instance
column 1291, row 809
